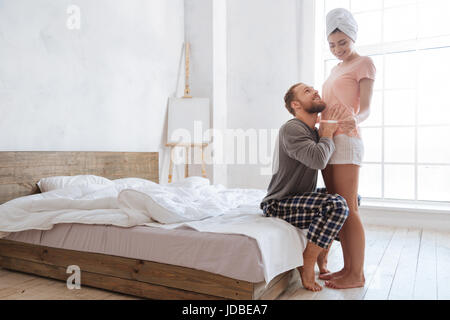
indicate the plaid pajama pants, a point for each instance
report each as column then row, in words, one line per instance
column 321, row 213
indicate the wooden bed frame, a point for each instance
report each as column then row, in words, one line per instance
column 19, row 173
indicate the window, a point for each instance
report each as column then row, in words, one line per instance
column 407, row 137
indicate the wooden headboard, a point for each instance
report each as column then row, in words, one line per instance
column 20, row 171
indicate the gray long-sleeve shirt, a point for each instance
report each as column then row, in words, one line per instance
column 299, row 154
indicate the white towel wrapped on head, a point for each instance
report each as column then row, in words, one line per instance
column 343, row 20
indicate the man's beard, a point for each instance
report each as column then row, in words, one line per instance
column 316, row 108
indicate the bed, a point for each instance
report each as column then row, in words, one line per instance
column 103, row 264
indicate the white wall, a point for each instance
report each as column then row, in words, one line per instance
column 263, row 62
column 199, row 33
column 101, row 88
column 220, row 79
column 259, row 48
column 105, row 87
column 206, row 30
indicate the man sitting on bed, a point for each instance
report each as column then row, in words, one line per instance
column 301, row 151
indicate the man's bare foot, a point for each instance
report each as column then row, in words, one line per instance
column 332, row 275
column 322, row 261
column 346, row 282
column 308, row 279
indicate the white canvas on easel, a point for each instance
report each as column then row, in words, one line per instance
column 183, row 115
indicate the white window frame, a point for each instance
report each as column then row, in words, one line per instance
column 322, row 53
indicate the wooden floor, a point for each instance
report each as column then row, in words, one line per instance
column 400, row 264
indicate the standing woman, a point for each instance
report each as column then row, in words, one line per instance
column 350, row 84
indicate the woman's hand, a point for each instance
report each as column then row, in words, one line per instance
column 348, row 124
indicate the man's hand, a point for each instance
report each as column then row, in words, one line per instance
column 327, row 129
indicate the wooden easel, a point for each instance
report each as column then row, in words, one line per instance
column 187, row 146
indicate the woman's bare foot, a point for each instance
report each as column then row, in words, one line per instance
column 346, row 282
column 322, row 261
column 333, row 275
column 308, row 279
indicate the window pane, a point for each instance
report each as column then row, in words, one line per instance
column 400, row 107
column 378, row 61
column 372, row 144
column 434, row 69
column 393, row 3
column 433, row 145
column 369, row 24
column 400, row 23
column 370, row 181
column 399, row 182
column 329, row 64
column 433, row 18
column 399, row 145
column 434, row 183
column 400, row 70
column 434, row 109
column 358, row 5
column 332, row 4
column 376, row 111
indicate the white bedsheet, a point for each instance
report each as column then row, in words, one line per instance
column 192, row 202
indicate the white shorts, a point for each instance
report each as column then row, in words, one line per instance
column 349, row 150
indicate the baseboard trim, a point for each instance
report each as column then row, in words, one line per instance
column 439, row 221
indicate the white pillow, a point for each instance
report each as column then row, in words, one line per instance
column 133, row 183
column 191, row 182
column 59, row 182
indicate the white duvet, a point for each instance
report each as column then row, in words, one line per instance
column 192, row 202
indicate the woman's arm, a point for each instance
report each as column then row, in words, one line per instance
column 366, row 93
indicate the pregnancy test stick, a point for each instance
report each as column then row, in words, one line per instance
column 329, row 121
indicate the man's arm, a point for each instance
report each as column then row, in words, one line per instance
column 302, row 147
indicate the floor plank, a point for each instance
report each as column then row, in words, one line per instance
column 377, row 240
column 21, row 287
column 11, row 279
column 27, row 287
column 443, row 265
column 402, row 287
column 381, row 282
column 425, row 285
column 44, row 290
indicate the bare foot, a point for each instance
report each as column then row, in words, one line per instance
column 332, row 275
column 308, row 279
column 346, row 282
column 322, row 261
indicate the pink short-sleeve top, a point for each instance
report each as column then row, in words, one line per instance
column 342, row 87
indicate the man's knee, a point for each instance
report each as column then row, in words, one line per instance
column 340, row 205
